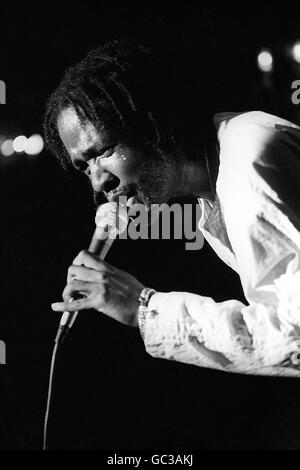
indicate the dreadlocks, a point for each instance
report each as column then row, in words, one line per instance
column 123, row 88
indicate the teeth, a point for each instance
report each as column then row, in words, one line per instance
column 131, row 201
column 134, row 200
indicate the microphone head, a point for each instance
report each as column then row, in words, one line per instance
column 111, row 217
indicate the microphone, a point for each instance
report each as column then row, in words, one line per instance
column 110, row 222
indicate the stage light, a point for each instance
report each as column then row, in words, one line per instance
column 34, row 145
column 296, row 52
column 7, row 148
column 19, row 143
column 265, row 61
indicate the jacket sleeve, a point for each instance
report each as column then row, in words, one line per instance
column 260, row 196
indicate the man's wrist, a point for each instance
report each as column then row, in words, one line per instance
column 143, row 309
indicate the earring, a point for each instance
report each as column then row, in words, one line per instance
column 122, row 154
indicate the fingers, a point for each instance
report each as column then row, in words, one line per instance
column 80, row 304
column 94, row 295
column 90, row 275
column 76, row 287
column 85, row 274
column 89, row 260
column 96, row 281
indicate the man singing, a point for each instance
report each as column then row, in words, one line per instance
column 121, row 117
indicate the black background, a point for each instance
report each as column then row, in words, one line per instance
column 109, row 394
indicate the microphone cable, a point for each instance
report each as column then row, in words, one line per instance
column 49, row 395
column 99, row 246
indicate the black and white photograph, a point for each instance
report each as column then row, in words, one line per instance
column 150, row 231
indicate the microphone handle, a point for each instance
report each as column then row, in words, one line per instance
column 100, row 246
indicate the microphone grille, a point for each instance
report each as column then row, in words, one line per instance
column 112, row 215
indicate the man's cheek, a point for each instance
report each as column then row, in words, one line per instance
column 126, row 170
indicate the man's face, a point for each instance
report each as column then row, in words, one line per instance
column 113, row 167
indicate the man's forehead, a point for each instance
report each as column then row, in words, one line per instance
column 70, row 123
column 75, row 134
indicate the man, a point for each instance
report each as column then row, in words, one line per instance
column 134, row 130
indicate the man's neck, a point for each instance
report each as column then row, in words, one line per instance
column 201, row 174
column 197, row 181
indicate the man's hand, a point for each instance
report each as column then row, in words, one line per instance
column 103, row 287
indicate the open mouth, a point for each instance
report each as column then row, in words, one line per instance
column 128, row 198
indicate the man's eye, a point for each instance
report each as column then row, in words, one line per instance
column 107, row 153
column 80, row 165
column 83, row 166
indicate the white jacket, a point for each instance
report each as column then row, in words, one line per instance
column 254, row 227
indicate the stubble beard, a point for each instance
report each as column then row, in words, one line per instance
column 158, row 182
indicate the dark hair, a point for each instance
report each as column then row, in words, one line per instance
column 141, row 97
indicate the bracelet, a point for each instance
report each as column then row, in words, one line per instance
column 145, row 296
column 144, row 299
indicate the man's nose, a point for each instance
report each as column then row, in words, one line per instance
column 101, row 179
